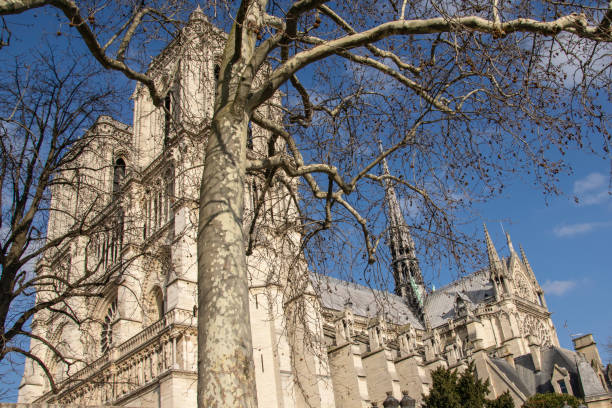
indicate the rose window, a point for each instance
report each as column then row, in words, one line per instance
column 106, row 339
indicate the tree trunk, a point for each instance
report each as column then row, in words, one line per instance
column 226, row 375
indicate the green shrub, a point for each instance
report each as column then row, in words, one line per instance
column 551, row 401
column 465, row 390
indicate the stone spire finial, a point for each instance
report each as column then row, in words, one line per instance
column 406, row 270
column 525, row 261
column 510, row 246
column 494, row 262
column 197, row 14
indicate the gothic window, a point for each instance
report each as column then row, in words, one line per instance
column 155, row 211
column 118, row 235
column 156, row 305
column 522, row 287
column 105, row 247
column 250, row 137
column 62, row 271
column 106, row 337
column 160, row 206
column 157, row 203
column 169, row 186
column 59, row 368
column 148, row 226
column 167, row 116
column 534, row 326
column 118, row 174
column 109, row 243
column 217, row 71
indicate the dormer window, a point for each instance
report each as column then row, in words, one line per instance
column 118, row 174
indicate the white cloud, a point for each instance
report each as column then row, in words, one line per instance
column 593, row 189
column 580, row 228
column 569, row 52
column 594, row 181
column 557, row 287
column 409, row 207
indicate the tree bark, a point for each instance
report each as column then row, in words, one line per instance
column 225, row 363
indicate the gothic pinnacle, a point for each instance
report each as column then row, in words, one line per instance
column 513, row 253
column 525, row 261
column 494, row 262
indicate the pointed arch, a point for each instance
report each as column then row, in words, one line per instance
column 119, row 171
column 156, row 304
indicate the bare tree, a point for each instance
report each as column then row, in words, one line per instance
column 47, row 105
column 462, row 94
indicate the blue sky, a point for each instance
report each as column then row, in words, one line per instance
column 567, row 244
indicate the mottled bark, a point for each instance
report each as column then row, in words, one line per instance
column 226, row 375
column 225, row 363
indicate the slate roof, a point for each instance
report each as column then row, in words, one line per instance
column 335, row 293
column 530, row 381
column 475, row 289
column 591, row 385
column 512, row 375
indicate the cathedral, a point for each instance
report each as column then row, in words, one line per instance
column 318, row 341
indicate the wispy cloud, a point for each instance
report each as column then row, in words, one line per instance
column 592, row 189
column 580, row 228
column 558, row 287
column 409, row 207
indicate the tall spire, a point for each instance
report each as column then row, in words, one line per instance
column 494, row 263
column 406, row 270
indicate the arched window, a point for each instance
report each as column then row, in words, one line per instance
column 155, row 306
column 106, row 337
column 217, row 72
column 118, row 174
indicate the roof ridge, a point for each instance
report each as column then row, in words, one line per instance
column 456, row 282
column 354, row 285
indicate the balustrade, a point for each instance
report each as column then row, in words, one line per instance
column 168, row 344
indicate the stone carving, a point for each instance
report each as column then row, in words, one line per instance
column 534, row 326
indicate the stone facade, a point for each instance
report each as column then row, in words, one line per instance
column 317, row 342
